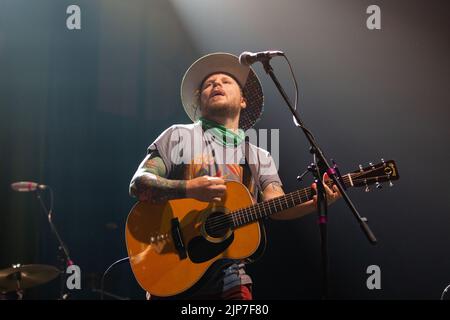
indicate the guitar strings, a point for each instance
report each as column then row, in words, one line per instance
column 242, row 215
column 237, row 216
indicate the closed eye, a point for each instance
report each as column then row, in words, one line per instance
column 206, row 85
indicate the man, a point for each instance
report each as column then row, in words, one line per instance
column 223, row 98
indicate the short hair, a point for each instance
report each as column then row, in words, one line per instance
column 220, row 72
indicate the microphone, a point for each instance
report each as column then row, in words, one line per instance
column 26, row 186
column 247, row 58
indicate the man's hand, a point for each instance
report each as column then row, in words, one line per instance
column 332, row 194
column 206, row 188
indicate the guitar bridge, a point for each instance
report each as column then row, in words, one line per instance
column 178, row 239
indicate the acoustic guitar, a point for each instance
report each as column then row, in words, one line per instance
column 172, row 245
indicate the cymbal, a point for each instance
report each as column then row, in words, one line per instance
column 26, row 276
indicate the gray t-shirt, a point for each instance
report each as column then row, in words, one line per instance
column 189, row 152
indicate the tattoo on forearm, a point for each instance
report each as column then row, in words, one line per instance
column 276, row 187
column 155, row 189
column 149, row 184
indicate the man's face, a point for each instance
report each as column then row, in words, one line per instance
column 221, row 96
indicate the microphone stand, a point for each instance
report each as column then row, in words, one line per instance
column 63, row 253
column 321, row 165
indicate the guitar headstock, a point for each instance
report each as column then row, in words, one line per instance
column 385, row 171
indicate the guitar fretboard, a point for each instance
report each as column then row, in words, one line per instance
column 267, row 208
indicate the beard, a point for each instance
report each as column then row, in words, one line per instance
column 221, row 110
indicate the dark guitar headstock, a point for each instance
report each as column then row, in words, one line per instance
column 385, row 171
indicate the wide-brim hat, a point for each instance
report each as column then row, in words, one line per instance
column 229, row 64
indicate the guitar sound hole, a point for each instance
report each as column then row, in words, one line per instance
column 217, row 224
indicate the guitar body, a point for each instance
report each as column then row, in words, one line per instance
column 163, row 267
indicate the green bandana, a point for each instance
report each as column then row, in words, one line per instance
column 224, row 136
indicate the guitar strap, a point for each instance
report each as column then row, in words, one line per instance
column 249, row 171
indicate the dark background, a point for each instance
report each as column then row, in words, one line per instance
column 79, row 108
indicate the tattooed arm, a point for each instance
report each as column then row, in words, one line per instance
column 149, row 183
column 274, row 190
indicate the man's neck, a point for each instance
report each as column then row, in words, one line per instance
column 231, row 124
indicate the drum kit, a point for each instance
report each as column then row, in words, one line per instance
column 19, row 277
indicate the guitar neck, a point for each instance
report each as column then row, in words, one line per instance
column 267, row 208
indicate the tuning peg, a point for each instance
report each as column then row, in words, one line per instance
column 378, row 185
column 361, row 169
column 388, row 175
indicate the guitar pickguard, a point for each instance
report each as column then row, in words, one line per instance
column 201, row 250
